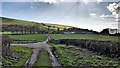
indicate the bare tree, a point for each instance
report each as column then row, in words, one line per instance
column 6, row 45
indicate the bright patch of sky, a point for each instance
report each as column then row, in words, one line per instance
column 59, row 0
column 90, row 14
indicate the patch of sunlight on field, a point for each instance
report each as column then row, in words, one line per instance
column 5, row 33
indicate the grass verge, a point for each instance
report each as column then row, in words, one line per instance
column 43, row 59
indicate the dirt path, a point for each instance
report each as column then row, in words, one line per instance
column 36, row 48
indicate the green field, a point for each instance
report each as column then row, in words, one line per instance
column 74, row 56
column 84, row 36
column 20, row 57
column 38, row 37
column 43, row 59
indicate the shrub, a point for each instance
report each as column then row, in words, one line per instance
column 107, row 48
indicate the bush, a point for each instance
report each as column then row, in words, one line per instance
column 107, row 48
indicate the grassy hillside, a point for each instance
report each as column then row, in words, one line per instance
column 9, row 21
column 15, row 21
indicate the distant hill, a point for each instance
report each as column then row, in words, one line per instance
column 10, row 21
column 15, row 25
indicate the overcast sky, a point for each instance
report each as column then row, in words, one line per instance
column 95, row 15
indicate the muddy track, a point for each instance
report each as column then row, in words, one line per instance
column 36, row 47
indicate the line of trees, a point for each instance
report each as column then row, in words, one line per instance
column 20, row 29
column 28, row 29
column 76, row 31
